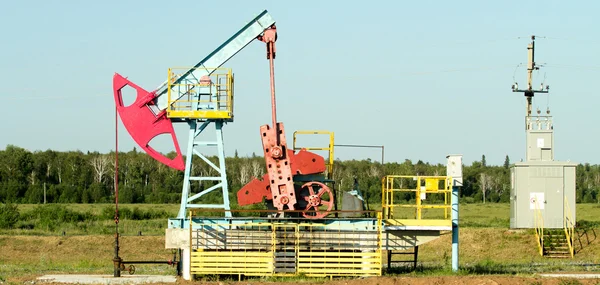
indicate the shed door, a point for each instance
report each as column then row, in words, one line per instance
column 554, row 202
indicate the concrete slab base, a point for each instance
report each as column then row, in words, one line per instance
column 572, row 275
column 107, row 279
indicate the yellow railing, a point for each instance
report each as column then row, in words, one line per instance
column 569, row 226
column 329, row 164
column 208, row 97
column 285, row 248
column 419, row 188
column 538, row 220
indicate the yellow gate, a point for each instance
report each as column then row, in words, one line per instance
column 339, row 251
column 431, row 196
column 269, row 248
column 225, row 249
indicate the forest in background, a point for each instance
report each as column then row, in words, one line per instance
column 78, row 177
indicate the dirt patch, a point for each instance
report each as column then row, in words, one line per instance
column 426, row 280
column 32, row 249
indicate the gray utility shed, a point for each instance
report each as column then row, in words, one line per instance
column 547, row 185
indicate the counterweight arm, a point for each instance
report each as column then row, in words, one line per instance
column 146, row 118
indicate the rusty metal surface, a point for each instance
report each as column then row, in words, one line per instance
column 282, row 163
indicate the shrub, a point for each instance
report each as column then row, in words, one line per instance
column 108, row 213
column 467, row 200
column 9, row 216
column 52, row 215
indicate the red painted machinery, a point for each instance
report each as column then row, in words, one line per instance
column 147, row 118
column 277, row 187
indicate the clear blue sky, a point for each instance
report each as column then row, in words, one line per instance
column 423, row 78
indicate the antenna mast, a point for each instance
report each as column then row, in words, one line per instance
column 530, row 92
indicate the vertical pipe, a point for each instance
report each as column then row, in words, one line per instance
column 117, row 259
column 273, row 103
column 454, row 228
column 116, row 168
column 331, row 155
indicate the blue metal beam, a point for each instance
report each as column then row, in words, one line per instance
column 190, row 199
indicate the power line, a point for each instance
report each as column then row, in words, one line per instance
column 21, row 97
column 456, row 70
column 445, row 44
column 588, row 67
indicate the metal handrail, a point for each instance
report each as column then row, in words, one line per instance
column 432, row 186
column 329, row 148
column 181, row 102
column 539, row 228
column 568, row 226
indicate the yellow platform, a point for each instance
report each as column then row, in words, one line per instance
column 209, row 96
column 199, row 114
column 413, row 224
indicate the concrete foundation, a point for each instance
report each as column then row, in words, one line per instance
column 176, row 238
column 107, row 279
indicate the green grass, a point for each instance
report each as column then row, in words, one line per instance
column 97, row 218
column 488, row 246
column 495, row 215
column 91, row 219
column 97, row 208
column 488, row 267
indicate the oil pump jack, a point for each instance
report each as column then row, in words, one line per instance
column 277, row 185
column 293, row 181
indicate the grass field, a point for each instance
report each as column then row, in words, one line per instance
column 491, row 215
column 487, row 246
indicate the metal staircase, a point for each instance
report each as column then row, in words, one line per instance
column 285, row 244
column 556, row 244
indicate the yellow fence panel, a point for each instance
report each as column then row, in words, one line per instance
column 280, row 247
column 431, row 196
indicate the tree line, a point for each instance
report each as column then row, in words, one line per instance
column 77, row 177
